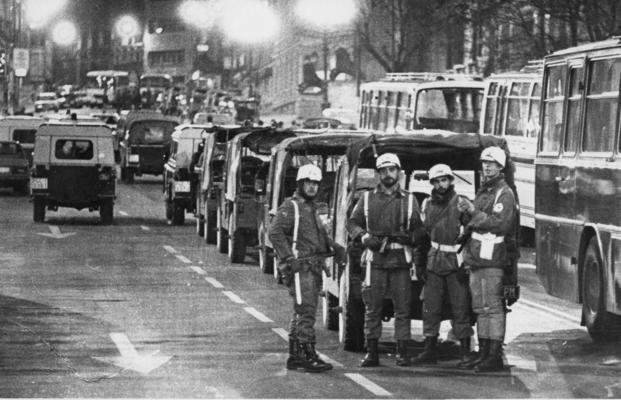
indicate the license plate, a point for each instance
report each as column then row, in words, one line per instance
column 38, row 183
column 134, row 158
column 4, row 170
column 183, row 186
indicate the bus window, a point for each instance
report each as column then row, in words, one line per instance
column 490, row 108
column 573, row 109
column 517, row 107
column 373, row 109
column 391, row 110
column 553, row 109
column 599, row 132
column 399, row 111
column 381, row 110
column 533, row 128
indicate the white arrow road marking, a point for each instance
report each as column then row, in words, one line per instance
column 123, row 213
column 183, row 259
column 521, row 363
column 215, row 283
column 170, row 249
column 233, row 297
column 198, row 270
column 56, row 233
column 368, row 385
column 130, row 359
column 557, row 313
column 282, row 333
column 145, row 228
column 258, row 315
column 526, row 266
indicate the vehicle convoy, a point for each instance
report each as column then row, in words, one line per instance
column 511, row 110
column 14, row 167
column 145, row 139
column 422, row 100
column 418, row 151
column 279, row 181
column 73, row 167
column 578, row 183
column 180, row 177
column 210, row 170
column 246, row 155
column 22, row 129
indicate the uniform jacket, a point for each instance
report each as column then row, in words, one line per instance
column 312, row 236
column 498, row 217
column 442, row 221
column 387, row 217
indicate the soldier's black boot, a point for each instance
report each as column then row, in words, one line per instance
column 493, row 361
column 310, row 362
column 480, row 356
column 402, row 358
column 319, row 361
column 464, row 352
column 371, row 359
column 295, row 361
column 430, row 352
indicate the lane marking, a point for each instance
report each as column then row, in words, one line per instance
column 233, row 297
column 368, row 385
column 526, row 266
column 213, row 282
column 123, row 213
column 560, row 314
column 183, row 259
column 522, row 363
column 145, row 228
column 198, row 270
column 258, row 315
column 282, row 333
column 330, row 360
column 170, row 249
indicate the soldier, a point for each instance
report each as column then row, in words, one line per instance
column 444, row 275
column 386, row 220
column 492, row 222
column 302, row 244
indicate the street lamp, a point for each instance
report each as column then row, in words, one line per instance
column 326, row 15
column 127, row 27
column 39, row 12
column 64, row 33
column 249, row 21
column 199, row 13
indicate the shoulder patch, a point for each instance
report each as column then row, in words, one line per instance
column 498, row 207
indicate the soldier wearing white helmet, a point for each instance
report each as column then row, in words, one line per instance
column 444, row 274
column 302, row 244
column 387, row 231
column 491, row 221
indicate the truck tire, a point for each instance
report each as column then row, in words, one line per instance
column 222, row 242
column 169, row 209
column 178, row 213
column 330, row 311
column 210, row 226
column 38, row 214
column 237, row 247
column 106, row 211
column 200, row 224
column 351, row 317
column 266, row 260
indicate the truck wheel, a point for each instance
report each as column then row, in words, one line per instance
column 210, row 226
column 178, row 213
column 330, row 310
column 200, row 224
column 601, row 325
column 129, row 175
column 169, row 209
column 221, row 237
column 38, row 214
column 21, row 188
column 266, row 260
column 237, row 247
column 106, row 211
column 351, row 320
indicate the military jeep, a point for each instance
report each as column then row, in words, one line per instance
column 73, row 166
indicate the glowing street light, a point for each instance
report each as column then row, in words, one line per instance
column 64, row 33
column 39, row 12
column 326, row 15
column 127, row 26
column 249, row 21
column 199, row 13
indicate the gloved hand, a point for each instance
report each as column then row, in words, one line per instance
column 371, row 242
column 421, row 273
column 465, row 205
column 340, row 255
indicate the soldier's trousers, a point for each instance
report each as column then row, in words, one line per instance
column 302, row 325
column 486, row 289
column 437, row 287
column 394, row 283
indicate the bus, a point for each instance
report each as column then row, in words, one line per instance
column 421, row 100
column 157, row 85
column 578, row 183
column 102, row 87
column 511, row 110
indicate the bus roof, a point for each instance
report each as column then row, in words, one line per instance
column 615, row 41
column 155, row 75
column 107, row 73
column 412, row 86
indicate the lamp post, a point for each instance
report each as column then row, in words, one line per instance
column 326, row 15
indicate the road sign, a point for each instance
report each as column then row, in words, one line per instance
column 21, row 61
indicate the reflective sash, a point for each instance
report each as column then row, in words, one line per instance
column 367, row 255
column 294, row 250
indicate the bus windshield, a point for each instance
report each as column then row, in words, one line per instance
column 453, row 109
column 101, row 81
column 155, row 81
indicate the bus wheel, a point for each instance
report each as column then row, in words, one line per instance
column 601, row 325
column 38, row 214
column 237, row 247
column 351, row 317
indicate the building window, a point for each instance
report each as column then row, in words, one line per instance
column 166, row 58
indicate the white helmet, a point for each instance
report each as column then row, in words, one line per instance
column 309, row 171
column 439, row 170
column 386, row 160
column 495, row 154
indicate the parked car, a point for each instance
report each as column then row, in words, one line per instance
column 246, row 155
column 13, row 167
column 278, row 183
column 180, row 177
column 22, row 129
column 46, row 101
column 145, row 138
column 73, row 167
column 418, row 151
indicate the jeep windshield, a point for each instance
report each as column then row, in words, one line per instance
column 151, row 132
column 10, row 150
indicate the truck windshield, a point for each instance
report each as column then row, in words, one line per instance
column 151, row 132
